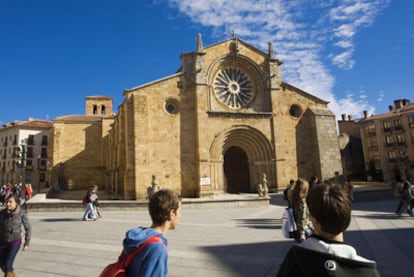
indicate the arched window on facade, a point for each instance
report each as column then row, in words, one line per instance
column 95, row 109
column 103, row 110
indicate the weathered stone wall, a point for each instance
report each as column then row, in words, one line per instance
column 76, row 154
column 327, row 140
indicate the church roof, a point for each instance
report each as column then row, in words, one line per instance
column 29, row 123
column 99, row 97
column 304, row 93
column 80, row 118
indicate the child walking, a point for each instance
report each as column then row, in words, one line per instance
column 12, row 219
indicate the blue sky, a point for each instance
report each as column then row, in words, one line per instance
column 357, row 54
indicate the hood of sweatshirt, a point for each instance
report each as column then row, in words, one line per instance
column 338, row 249
column 139, row 235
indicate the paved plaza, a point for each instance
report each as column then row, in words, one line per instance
column 209, row 242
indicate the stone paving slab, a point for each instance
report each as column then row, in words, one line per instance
column 208, row 242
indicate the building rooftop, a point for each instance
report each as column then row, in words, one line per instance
column 29, row 123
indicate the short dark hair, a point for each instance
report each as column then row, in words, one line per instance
column 15, row 197
column 160, row 205
column 329, row 204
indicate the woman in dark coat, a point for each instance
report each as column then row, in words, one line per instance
column 12, row 219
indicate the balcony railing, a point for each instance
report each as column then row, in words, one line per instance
column 398, row 128
column 373, row 148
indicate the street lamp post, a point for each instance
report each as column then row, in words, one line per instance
column 38, row 172
column 21, row 162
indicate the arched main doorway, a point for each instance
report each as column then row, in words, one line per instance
column 239, row 155
column 236, row 170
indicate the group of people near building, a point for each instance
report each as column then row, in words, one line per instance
column 24, row 192
column 322, row 214
column 404, row 190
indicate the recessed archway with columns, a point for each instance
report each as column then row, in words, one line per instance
column 259, row 152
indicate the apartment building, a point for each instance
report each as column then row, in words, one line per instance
column 24, row 152
column 350, row 144
column 388, row 142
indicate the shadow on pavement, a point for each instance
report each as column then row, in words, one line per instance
column 387, row 206
column 390, row 248
column 263, row 259
column 390, row 216
column 277, row 200
column 260, row 223
column 256, row 259
column 60, row 219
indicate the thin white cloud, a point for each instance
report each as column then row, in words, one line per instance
column 349, row 16
column 353, row 105
column 305, row 33
column 344, row 60
column 380, row 96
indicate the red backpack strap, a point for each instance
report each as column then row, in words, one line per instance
column 126, row 260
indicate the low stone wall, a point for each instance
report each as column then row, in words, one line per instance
column 223, row 202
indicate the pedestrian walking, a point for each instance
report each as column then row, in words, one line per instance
column 89, row 201
column 349, row 188
column 165, row 211
column 3, row 191
column 96, row 204
column 287, row 191
column 28, row 192
column 405, row 198
column 12, row 219
column 300, row 209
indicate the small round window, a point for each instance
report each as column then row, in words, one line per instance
column 295, row 111
column 171, row 106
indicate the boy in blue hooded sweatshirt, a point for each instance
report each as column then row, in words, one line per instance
column 165, row 211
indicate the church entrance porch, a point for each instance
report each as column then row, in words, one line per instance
column 238, row 157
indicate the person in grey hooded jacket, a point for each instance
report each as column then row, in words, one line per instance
column 12, row 219
column 324, row 253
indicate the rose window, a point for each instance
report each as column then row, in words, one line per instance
column 233, row 87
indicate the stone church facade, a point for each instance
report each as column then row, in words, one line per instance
column 217, row 125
